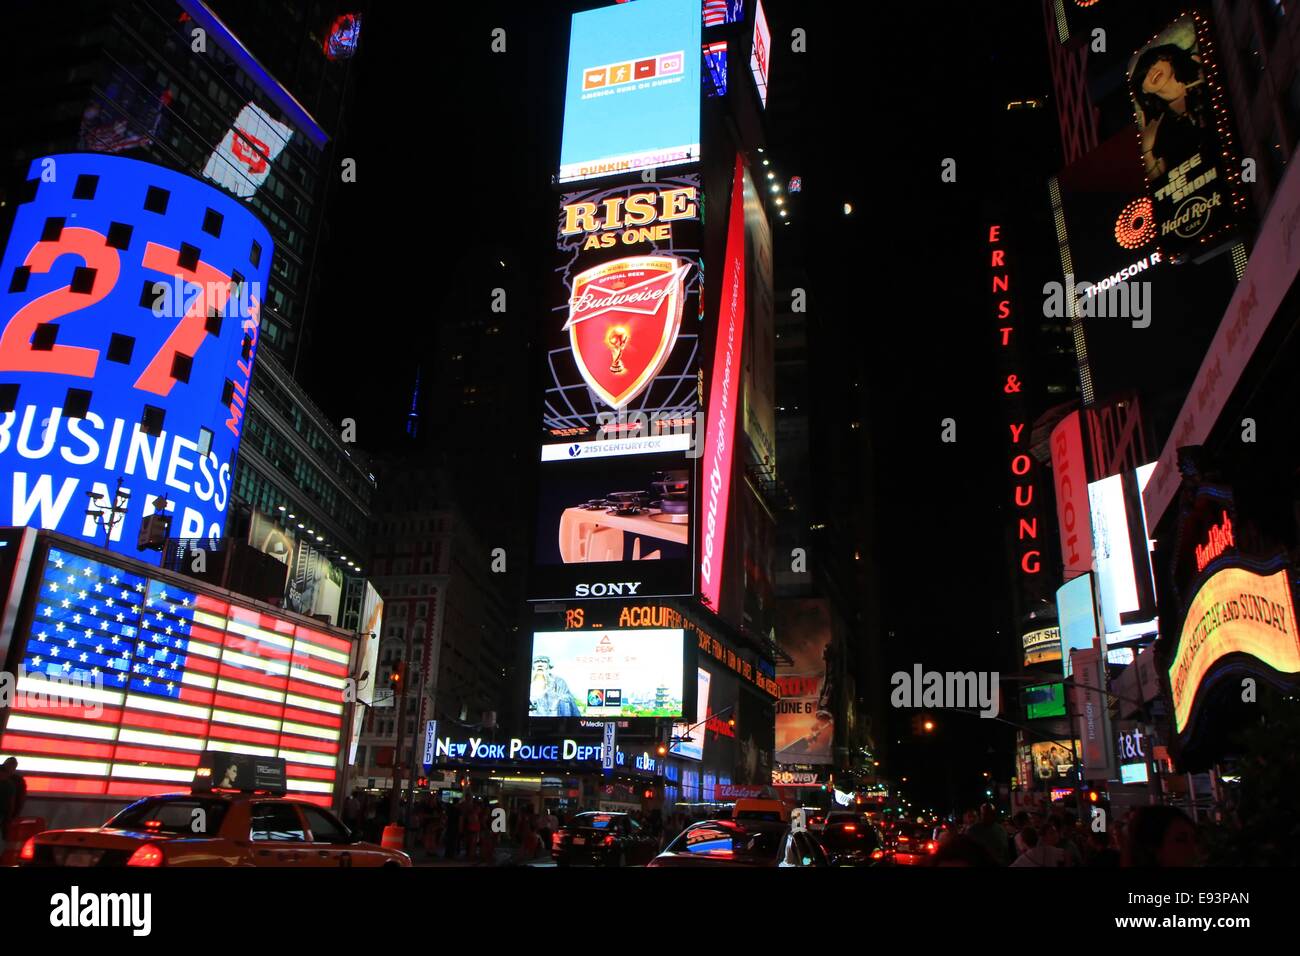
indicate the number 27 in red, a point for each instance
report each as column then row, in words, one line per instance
column 17, row 354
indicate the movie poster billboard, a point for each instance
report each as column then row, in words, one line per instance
column 315, row 584
column 805, row 723
column 371, row 625
column 621, row 394
column 1173, row 83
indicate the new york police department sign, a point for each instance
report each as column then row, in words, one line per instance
column 129, row 305
column 525, row 751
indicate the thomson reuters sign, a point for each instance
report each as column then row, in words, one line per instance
column 1235, row 612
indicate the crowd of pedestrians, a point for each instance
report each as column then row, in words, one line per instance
column 1149, row 836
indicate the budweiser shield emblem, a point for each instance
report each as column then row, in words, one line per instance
column 623, row 321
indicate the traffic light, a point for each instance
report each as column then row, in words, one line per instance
column 398, row 677
column 662, row 749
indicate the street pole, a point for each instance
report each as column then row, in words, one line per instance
column 419, row 714
column 399, row 752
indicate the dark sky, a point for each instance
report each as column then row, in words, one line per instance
column 455, row 146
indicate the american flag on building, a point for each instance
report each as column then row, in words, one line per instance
column 125, row 680
column 718, row 12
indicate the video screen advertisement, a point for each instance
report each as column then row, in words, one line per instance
column 129, row 301
column 632, row 93
column 124, row 678
column 621, row 394
column 1076, row 612
column 1179, row 109
column 608, row 673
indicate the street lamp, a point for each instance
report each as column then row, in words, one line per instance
column 108, row 516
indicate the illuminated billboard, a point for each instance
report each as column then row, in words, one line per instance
column 1044, row 700
column 715, row 68
column 1042, row 646
column 621, row 397
column 693, row 749
column 760, row 52
column 129, row 307
column 632, row 96
column 607, row 673
column 242, row 160
column 1122, row 556
column 720, row 12
column 1179, row 109
column 1053, row 758
column 805, row 721
column 125, row 679
column 1234, row 612
column 1069, row 471
column 1077, row 617
column 724, row 394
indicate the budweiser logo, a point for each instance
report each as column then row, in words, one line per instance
column 589, row 304
column 624, row 317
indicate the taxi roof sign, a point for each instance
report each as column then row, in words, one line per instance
column 245, row 773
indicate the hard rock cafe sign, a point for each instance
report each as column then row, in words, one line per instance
column 624, row 317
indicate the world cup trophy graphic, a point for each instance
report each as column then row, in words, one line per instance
column 617, row 338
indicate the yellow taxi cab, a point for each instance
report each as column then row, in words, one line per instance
column 214, row 826
column 761, row 809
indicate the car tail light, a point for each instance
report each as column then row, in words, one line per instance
column 28, row 852
column 877, row 854
column 850, row 828
column 147, row 855
column 609, row 840
column 558, row 837
column 902, row 838
column 932, row 846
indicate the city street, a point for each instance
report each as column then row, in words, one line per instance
column 625, row 435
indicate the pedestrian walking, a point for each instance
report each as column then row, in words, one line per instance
column 989, row 834
column 1160, row 836
column 1033, row 852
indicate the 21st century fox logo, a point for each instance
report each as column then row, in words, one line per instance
column 75, row 909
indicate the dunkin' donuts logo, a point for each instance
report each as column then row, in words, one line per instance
column 632, row 71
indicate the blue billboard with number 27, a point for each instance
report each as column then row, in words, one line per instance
column 129, row 304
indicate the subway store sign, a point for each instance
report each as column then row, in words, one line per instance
column 1235, row 612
